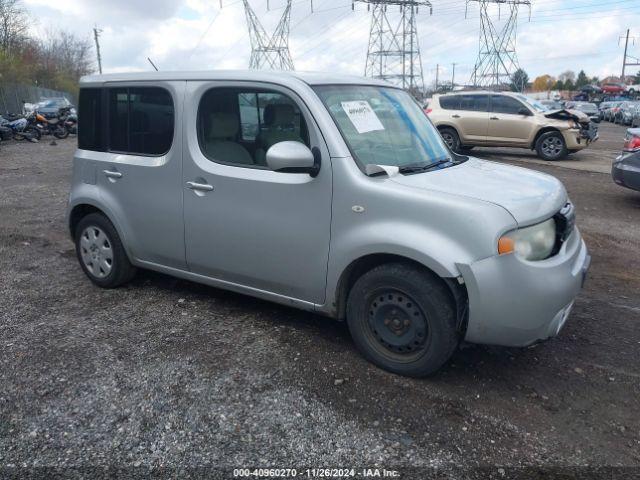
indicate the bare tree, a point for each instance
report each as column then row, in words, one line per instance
column 14, row 23
column 63, row 58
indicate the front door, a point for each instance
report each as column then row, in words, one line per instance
column 246, row 225
column 507, row 126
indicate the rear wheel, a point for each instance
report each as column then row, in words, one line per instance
column 101, row 253
column 61, row 132
column 551, row 146
column 451, row 138
column 402, row 319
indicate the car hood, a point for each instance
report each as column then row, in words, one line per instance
column 565, row 114
column 529, row 196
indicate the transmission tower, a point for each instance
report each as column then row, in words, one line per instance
column 269, row 52
column 497, row 60
column 394, row 51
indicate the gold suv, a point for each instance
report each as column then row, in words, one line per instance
column 496, row 119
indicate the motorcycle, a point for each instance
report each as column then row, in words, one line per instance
column 54, row 126
column 21, row 127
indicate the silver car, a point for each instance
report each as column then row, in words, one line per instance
column 326, row 193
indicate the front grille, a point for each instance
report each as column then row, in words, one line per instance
column 565, row 223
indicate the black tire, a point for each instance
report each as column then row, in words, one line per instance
column 35, row 132
column 551, row 146
column 402, row 319
column 451, row 138
column 61, row 132
column 121, row 270
column 465, row 149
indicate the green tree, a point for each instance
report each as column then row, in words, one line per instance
column 582, row 80
column 558, row 85
column 519, row 80
column 569, row 85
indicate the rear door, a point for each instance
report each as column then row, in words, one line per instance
column 473, row 118
column 506, row 125
column 139, row 174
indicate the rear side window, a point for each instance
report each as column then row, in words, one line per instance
column 90, row 119
column 450, row 102
column 507, row 105
column 141, row 120
column 474, row 103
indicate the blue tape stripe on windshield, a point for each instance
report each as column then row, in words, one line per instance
column 428, row 147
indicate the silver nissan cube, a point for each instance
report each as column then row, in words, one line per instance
column 327, row 193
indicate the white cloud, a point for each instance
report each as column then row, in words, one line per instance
column 172, row 33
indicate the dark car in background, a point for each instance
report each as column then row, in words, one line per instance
column 624, row 114
column 49, row 107
column 590, row 109
column 626, row 168
column 591, row 90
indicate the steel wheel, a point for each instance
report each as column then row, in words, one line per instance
column 96, row 252
column 397, row 324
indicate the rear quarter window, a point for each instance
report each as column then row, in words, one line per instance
column 90, row 126
column 450, row 102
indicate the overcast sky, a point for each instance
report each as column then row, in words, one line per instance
column 199, row 35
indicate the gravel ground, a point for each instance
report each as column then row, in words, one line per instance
column 172, row 375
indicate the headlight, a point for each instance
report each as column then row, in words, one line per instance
column 531, row 243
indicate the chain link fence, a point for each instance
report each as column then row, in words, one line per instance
column 12, row 97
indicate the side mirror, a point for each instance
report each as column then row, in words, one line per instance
column 525, row 112
column 293, row 157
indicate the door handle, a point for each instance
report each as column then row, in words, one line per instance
column 201, row 187
column 494, row 118
column 455, row 116
column 112, row 174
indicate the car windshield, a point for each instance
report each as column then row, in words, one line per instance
column 384, row 126
column 586, row 107
column 538, row 106
column 51, row 103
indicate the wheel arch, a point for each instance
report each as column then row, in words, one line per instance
column 362, row 265
column 541, row 132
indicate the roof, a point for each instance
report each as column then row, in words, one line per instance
column 269, row 76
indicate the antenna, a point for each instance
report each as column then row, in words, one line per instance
column 269, row 52
column 394, row 51
column 497, row 60
column 96, row 37
column 152, row 64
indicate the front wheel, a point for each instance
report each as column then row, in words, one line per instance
column 551, row 146
column 402, row 319
column 101, row 253
column 451, row 138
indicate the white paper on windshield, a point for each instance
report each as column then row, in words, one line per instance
column 362, row 116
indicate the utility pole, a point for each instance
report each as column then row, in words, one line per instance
column 437, row 75
column 625, row 60
column 453, row 75
column 96, row 36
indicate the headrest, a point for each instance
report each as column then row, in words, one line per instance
column 279, row 114
column 224, row 125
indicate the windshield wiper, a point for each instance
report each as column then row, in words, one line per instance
column 418, row 168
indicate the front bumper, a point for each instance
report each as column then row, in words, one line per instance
column 578, row 139
column 515, row 303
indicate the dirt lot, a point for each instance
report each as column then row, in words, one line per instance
column 167, row 373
